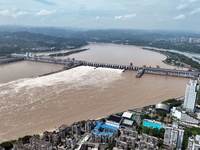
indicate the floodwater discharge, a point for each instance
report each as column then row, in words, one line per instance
column 31, row 105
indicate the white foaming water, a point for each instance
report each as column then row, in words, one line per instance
column 75, row 79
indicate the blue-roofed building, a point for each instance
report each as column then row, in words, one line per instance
column 104, row 133
column 105, row 126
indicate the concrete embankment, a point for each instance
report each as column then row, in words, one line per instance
column 66, row 67
column 10, row 60
column 52, row 72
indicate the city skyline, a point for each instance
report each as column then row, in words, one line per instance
column 99, row 14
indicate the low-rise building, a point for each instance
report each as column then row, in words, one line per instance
column 127, row 139
column 129, row 132
column 148, row 142
column 125, row 142
column 127, row 114
column 34, row 144
column 183, row 116
column 89, row 146
column 114, row 120
column 128, row 124
column 162, row 107
column 68, row 143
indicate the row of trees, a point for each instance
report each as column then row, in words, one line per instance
column 9, row 144
column 172, row 102
column 173, row 57
column 17, row 42
column 188, row 132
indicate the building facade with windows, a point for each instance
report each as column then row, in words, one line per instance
column 191, row 95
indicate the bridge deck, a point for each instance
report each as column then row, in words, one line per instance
column 145, row 70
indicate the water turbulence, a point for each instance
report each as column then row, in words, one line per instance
column 24, row 97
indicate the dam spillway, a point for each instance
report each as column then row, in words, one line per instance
column 71, row 63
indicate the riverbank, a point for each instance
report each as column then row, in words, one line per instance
column 69, row 52
column 137, row 115
column 177, row 60
column 6, row 60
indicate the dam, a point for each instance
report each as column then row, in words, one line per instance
column 71, row 63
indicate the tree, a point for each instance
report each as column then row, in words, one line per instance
column 8, row 144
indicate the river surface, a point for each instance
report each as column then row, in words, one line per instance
column 24, row 69
column 31, row 105
column 121, row 54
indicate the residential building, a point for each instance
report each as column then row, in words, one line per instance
column 173, row 137
column 89, row 126
column 89, row 146
column 148, row 142
column 76, row 128
column 34, row 144
column 127, row 139
column 63, row 131
column 69, row 143
column 39, row 144
column 191, row 95
column 104, row 133
column 194, row 143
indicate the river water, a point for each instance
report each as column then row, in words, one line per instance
column 31, row 105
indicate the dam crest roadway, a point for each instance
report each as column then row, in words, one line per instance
column 71, row 63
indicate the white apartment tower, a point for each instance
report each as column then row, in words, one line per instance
column 194, row 143
column 173, row 137
column 191, row 95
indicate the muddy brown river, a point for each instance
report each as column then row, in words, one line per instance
column 31, row 105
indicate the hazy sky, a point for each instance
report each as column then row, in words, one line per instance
column 131, row 14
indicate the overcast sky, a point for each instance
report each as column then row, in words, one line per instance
column 101, row 14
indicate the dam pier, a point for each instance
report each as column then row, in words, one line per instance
column 71, row 63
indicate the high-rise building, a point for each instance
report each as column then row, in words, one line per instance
column 63, row 131
column 89, row 126
column 173, row 137
column 191, row 95
column 194, row 143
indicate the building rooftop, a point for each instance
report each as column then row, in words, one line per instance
column 197, row 137
column 109, row 127
column 164, row 107
column 127, row 115
column 114, row 118
column 100, row 124
column 105, row 133
column 128, row 123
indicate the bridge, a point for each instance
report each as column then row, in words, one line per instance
column 114, row 66
column 146, row 70
column 71, row 63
